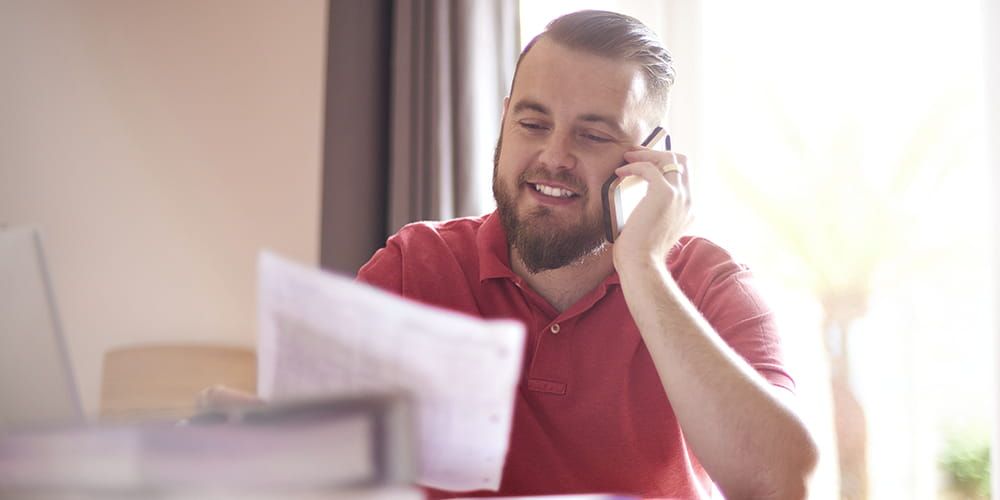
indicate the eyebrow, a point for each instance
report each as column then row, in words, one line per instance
column 529, row 105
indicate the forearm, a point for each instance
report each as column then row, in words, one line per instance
column 749, row 441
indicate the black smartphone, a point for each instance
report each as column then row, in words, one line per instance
column 620, row 195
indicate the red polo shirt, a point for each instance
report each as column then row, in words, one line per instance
column 591, row 414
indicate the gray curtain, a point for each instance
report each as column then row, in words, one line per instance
column 451, row 67
column 413, row 100
column 355, row 145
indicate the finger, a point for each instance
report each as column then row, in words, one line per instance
column 651, row 173
column 655, row 157
column 685, row 183
column 671, row 167
column 678, row 179
column 222, row 397
column 672, row 171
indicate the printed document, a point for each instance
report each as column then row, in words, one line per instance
column 321, row 334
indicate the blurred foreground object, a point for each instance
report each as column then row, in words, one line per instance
column 324, row 334
column 334, row 448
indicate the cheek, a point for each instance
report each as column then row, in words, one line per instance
column 596, row 182
column 511, row 162
column 604, row 168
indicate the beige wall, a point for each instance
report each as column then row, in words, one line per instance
column 159, row 145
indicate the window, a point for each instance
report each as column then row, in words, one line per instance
column 839, row 149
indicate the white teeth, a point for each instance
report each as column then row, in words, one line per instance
column 553, row 191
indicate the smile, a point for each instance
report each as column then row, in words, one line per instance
column 552, row 191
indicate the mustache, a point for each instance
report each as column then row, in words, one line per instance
column 540, row 173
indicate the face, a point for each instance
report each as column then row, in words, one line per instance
column 569, row 119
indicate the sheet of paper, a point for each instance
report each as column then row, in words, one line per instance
column 321, row 334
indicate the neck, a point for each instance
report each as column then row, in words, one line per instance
column 564, row 286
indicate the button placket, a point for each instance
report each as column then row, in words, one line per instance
column 550, row 369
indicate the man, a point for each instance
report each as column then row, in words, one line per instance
column 613, row 330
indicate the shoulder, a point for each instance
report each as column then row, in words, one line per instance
column 695, row 260
column 724, row 291
column 422, row 250
column 455, row 233
column 715, row 282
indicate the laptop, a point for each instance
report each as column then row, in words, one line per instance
column 37, row 386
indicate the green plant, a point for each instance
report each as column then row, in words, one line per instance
column 965, row 460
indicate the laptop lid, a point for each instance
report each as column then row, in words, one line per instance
column 37, row 386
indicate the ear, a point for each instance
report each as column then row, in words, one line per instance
column 503, row 113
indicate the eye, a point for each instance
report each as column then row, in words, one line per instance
column 531, row 125
column 595, row 138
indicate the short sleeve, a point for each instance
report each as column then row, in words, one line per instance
column 734, row 307
column 385, row 269
column 724, row 292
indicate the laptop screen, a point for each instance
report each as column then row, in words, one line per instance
column 37, row 386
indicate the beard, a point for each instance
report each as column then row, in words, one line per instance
column 542, row 239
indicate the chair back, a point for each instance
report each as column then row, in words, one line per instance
column 163, row 381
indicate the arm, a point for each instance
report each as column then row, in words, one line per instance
column 748, row 439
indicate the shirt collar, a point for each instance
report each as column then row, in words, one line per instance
column 494, row 256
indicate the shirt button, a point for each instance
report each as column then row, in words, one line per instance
column 554, row 328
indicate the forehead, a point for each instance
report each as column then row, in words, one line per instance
column 572, row 82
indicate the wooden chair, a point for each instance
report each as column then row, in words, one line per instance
column 163, row 381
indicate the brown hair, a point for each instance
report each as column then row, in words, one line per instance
column 615, row 36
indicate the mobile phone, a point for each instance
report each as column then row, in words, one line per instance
column 620, row 195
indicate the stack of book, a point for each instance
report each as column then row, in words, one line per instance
column 349, row 447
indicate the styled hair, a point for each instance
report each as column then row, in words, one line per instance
column 614, row 36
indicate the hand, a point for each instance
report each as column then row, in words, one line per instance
column 220, row 397
column 661, row 217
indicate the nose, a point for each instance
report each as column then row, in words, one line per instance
column 557, row 151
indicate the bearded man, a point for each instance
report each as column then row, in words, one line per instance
column 652, row 367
